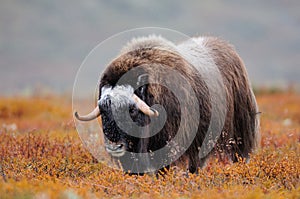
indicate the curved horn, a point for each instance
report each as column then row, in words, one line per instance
column 92, row 115
column 144, row 107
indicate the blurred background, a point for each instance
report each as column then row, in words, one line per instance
column 43, row 43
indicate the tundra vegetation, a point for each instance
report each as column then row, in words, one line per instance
column 41, row 156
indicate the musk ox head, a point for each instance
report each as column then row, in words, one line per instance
column 122, row 113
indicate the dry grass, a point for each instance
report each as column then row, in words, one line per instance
column 41, row 156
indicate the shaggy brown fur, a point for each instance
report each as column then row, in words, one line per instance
column 240, row 131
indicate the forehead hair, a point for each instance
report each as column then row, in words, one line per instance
column 119, row 95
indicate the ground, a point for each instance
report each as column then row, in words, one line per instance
column 41, row 156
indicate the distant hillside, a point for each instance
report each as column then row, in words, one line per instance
column 42, row 43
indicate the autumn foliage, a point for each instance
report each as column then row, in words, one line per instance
column 41, row 156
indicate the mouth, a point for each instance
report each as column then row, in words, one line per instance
column 115, row 150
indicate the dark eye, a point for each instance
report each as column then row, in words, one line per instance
column 133, row 111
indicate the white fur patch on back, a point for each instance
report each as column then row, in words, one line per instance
column 196, row 53
column 151, row 41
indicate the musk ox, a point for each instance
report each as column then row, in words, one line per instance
column 211, row 68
